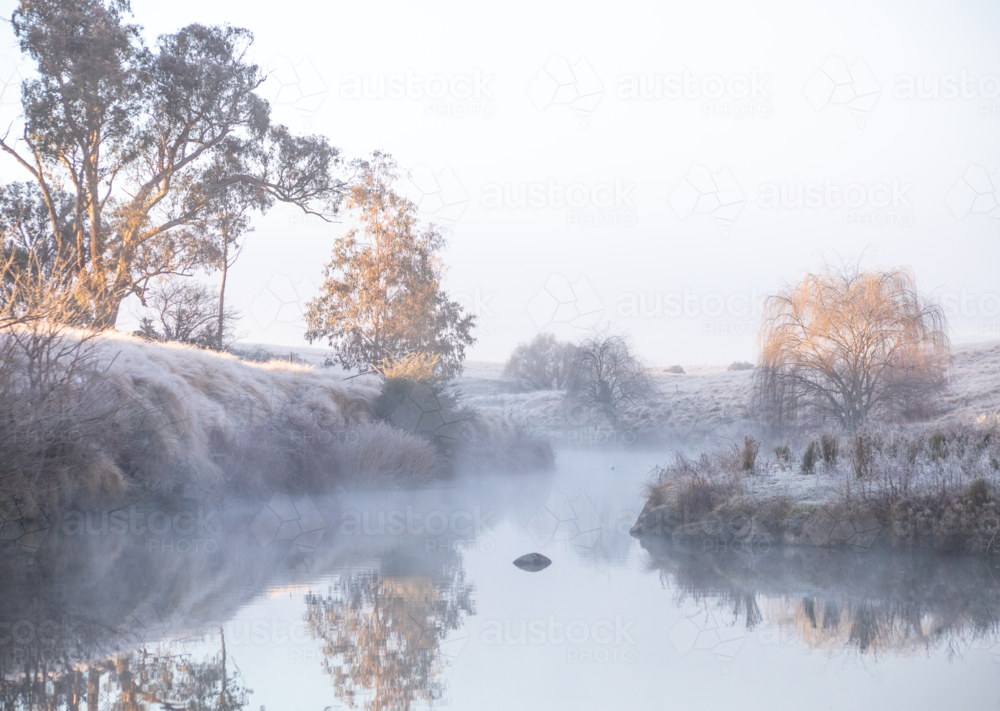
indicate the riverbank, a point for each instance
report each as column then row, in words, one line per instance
column 89, row 419
column 932, row 487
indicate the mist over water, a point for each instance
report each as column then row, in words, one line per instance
column 408, row 598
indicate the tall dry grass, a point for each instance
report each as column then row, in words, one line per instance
column 87, row 418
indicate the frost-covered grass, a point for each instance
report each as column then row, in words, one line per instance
column 87, row 419
column 931, row 487
column 706, row 405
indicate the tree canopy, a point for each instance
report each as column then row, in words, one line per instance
column 849, row 344
column 134, row 150
column 382, row 299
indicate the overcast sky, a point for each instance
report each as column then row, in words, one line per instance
column 660, row 148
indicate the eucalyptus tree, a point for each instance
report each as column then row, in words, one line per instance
column 149, row 143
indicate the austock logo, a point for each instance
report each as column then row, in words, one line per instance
column 837, row 83
column 424, row 411
column 560, row 83
column 701, row 192
column 282, row 302
column 145, row 624
column 976, row 193
column 560, row 519
column 437, row 195
column 285, row 520
column 296, row 85
column 559, row 301
column 717, row 631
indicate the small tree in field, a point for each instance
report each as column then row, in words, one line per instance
column 188, row 312
column 608, row 377
column 849, row 344
column 382, row 299
column 544, row 363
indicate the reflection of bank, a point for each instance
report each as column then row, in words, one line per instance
column 872, row 604
column 98, row 617
column 132, row 681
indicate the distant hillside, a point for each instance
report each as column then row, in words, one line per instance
column 709, row 401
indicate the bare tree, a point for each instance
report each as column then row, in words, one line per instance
column 187, row 312
column 608, row 377
column 544, row 363
column 849, row 344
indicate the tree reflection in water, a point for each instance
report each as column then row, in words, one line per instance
column 870, row 603
column 138, row 681
column 382, row 635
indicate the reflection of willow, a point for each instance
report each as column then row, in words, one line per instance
column 381, row 636
column 139, row 681
column 882, row 603
column 874, row 628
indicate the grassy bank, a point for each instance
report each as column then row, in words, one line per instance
column 931, row 488
column 87, row 419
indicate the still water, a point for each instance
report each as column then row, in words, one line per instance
column 395, row 600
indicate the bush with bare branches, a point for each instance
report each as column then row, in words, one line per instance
column 849, row 345
column 187, row 312
column 608, row 378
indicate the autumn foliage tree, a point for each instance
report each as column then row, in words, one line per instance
column 849, row 345
column 382, row 299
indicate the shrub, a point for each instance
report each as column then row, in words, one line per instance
column 60, row 418
column 830, row 444
column 424, row 408
column 748, row 454
column 862, row 455
column 544, row 363
column 783, row 453
column 882, row 494
column 740, row 365
column 937, row 444
column 979, row 492
column 608, row 378
column 376, row 454
column 676, row 369
column 415, row 367
column 809, row 457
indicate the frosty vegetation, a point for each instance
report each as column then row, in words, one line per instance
column 928, row 487
column 143, row 168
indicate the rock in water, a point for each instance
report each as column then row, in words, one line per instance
column 533, row 562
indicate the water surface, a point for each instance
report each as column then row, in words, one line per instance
column 409, row 599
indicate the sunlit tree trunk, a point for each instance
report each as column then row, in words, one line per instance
column 222, row 303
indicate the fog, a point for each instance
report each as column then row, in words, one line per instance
column 638, row 243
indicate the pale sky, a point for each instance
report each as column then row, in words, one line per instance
column 686, row 199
